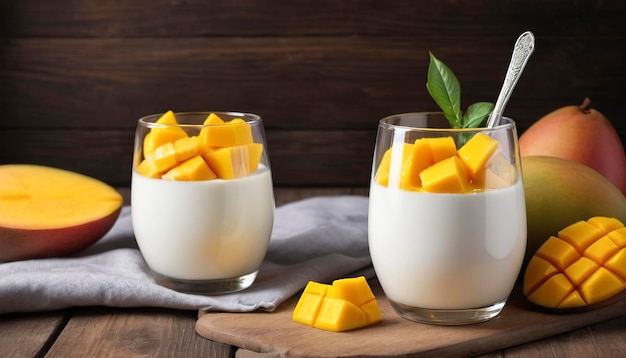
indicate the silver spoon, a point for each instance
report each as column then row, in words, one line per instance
column 524, row 47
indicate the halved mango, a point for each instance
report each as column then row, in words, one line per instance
column 47, row 212
column 584, row 265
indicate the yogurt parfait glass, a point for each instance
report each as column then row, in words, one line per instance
column 447, row 218
column 202, row 199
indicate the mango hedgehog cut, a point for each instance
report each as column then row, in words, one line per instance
column 584, row 265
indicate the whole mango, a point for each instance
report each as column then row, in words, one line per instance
column 560, row 192
column 581, row 134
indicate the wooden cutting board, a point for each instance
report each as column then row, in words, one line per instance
column 275, row 333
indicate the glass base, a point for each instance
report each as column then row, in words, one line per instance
column 206, row 287
column 449, row 317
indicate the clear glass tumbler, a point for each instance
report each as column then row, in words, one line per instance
column 202, row 199
column 447, row 224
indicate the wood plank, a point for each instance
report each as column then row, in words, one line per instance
column 29, row 334
column 298, row 158
column 141, row 18
column 601, row 340
column 107, row 332
column 293, row 83
column 276, row 333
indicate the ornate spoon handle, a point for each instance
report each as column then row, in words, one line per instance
column 524, row 47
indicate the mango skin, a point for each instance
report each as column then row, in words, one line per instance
column 25, row 244
column 560, row 192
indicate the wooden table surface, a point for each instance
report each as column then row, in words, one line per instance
column 149, row 332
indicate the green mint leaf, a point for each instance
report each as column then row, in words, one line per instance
column 476, row 114
column 445, row 89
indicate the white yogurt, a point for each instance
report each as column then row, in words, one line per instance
column 447, row 251
column 203, row 230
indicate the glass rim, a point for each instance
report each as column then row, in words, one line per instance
column 384, row 122
column 250, row 118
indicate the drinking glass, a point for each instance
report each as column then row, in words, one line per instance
column 204, row 236
column 443, row 257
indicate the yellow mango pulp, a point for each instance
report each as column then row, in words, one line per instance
column 345, row 305
column 191, row 169
column 168, row 153
column 585, row 264
column 234, row 162
column 435, row 165
column 475, row 153
column 446, row 176
column 234, row 133
column 382, row 173
column 159, row 136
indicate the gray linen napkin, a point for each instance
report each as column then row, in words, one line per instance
column 317, row 239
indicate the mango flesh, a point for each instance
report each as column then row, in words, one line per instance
column 345, row 305
column 46, row 212
column 584, row 265
column 560, row 192
column 226, row 148
column 435, row 165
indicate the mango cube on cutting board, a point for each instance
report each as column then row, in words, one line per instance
column 345, row 305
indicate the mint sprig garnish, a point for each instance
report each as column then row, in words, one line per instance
column 445, row 89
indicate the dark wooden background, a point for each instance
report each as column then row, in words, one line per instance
column 76, row 75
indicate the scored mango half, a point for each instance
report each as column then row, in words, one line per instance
column 584, row 265
column 222, row 150
column 435, row 165
column 345, row 305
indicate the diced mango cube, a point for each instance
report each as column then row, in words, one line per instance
column 580, row 235
column 163, row 158
column 601, row 250
column 355, row 290
column 477, row 151
column 538, row 271
column 618, row 236
column 309, row 304
column 146, row 168
column 255, row 153
column 213, row 118
column 441, row 148
column 419, row 159
column 229, row 162
column 339, row 315
column 558, row 252
column 372, row 312
column 346, row 304
column 234, row 133
column 382, row 173
column 605, row 224
column 192, row 169
column 186, row 148
column 159, row 136
column 580, row 270
column 601, row 285
column 446, row 176
column 553, row 291
column 617, row 263
column 572, row 300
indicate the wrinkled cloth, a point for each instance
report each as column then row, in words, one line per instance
column 319, row 239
